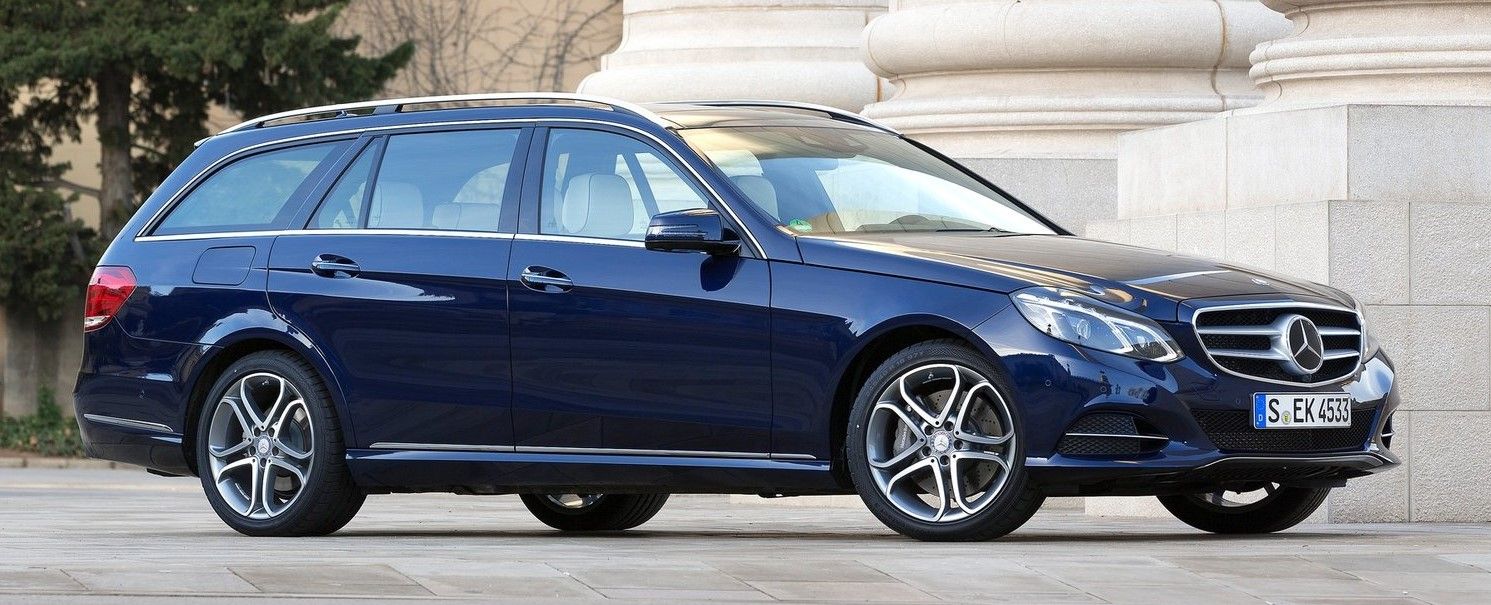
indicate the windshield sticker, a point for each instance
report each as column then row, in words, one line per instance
column 798, row 224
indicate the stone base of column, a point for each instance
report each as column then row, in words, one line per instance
column 1391, row 203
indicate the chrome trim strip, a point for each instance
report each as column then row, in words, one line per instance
column 1156, row 437
column 793, row 457
column 1265, row 354
column 176, row 199
column 848, row 116
column 614, row 104
column 303, row 232
column 532, row 449
column 609, row 451
column 444, row 447
column 1338, row 331
column 128, row 423
column 1198, row 311
column 579, row 239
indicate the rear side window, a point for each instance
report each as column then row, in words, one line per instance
column 453, row 181
column 250, row 194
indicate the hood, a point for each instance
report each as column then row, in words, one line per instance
column 1149, row 281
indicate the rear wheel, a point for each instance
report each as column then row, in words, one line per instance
column 594, row 512
column 1264, row 509
column 270, row 453
column 934, row 446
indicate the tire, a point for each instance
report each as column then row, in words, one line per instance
column 898, row 483
column 312, row 495
column 1281, row 508
column 594, row 512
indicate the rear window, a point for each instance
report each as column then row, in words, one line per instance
column 250, row 194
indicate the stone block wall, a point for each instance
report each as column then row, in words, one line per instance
column 1391, row 203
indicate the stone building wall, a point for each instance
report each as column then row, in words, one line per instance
column 1368, row 168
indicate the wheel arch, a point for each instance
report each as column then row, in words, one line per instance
column 216, row 358
column 877, row 345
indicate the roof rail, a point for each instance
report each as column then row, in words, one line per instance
column 393, row 105
column 833, row 112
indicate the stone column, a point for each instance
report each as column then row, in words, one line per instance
column 1034, row 93
column 1368, row 168
column 797, row 50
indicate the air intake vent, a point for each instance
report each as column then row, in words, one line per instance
column 1291, row 343
column 1232, row 430
column 1109, row 434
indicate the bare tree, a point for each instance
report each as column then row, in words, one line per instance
column 488, row 45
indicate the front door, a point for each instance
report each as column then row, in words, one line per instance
column 400, row 276
column 622, row 350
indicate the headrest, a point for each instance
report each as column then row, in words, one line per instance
column 396, row 204
column 467, row 216
column 597, row 204
column 759, row 190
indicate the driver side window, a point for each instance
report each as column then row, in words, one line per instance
column 607, row 185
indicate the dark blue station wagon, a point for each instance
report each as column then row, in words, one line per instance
column 595, row 304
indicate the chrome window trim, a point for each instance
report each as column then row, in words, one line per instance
column 1361, row 322
column 602, row 451
column 305, row 232
column 580, row 239
column 211, row 168
column 128, row 423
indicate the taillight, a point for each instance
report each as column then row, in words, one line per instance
column 107, row 291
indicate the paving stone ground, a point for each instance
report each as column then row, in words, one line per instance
column 115, row 536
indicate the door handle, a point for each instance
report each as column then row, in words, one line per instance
column 331, row 265
column 544, row 279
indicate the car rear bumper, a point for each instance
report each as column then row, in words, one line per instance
column 133, row 442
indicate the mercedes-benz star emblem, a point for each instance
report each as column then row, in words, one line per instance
column 1302, row 343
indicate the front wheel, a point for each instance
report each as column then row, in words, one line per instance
column 1267, row 508
column 594, row 512
column 934, row 446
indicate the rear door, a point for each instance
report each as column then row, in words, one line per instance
column 400, row 278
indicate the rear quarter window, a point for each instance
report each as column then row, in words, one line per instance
column 249, row 194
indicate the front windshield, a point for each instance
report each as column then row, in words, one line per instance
column 840, row 180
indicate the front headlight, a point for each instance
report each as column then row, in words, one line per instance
column 1083, row 320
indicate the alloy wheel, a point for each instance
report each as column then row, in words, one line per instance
column 261, row 445
column 940, row 443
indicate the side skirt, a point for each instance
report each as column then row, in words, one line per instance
column 500, row 470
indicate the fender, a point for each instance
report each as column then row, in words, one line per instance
column 261, row 325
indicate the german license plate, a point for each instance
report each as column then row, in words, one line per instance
column 1301, row 410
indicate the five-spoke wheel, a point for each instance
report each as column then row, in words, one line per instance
column 269, row 450
column 934, row 446
column 260, row 439
column 940, row 442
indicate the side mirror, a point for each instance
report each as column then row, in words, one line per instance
column 694, row 230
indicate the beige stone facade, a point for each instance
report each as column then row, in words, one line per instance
column 1367, row 168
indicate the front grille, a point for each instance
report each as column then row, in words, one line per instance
column 1247, row 341
column 1232, row 430
column 1109, row 434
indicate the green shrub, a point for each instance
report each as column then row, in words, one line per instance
column 47, row 432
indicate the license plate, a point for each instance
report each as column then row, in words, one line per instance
column 1301, row 410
